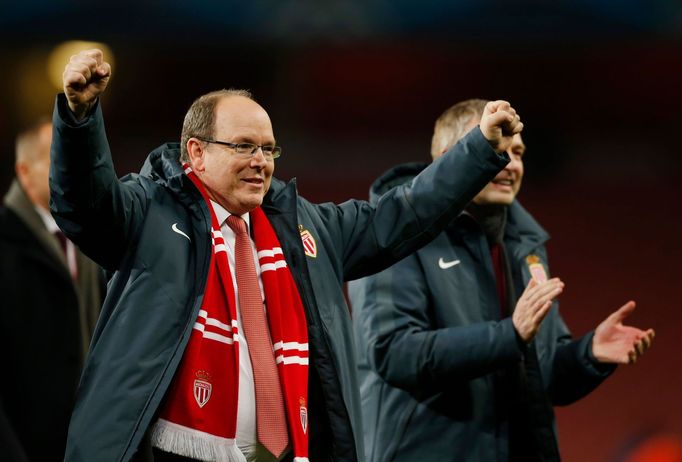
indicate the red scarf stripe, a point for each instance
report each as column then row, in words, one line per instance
column 213, row 329
column 282, row 345
column 271, row 260
column 270, row 253
column 218, row 242
column 291, row 353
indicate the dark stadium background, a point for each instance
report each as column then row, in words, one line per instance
column 353, row 87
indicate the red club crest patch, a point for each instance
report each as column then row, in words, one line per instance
column 536, row 268
column 309, row 244
column 202, row 388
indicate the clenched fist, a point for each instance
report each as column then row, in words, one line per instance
column 85, row 78
column 499, row 124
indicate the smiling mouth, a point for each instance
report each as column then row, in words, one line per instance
column 504, row 182
column 254, row 181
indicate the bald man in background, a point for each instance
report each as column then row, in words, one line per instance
column 51, row 296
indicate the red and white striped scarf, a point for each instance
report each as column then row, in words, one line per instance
column 198, row 418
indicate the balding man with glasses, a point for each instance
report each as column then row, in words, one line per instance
column 225, row 334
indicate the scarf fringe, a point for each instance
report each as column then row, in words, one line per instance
column 187, row 442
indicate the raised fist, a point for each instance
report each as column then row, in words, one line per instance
column 499, row 124
column 85, row 78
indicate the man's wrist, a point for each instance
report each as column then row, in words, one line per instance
column 80, row 111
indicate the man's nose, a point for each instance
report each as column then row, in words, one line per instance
column 258, row 158
column 514, row 164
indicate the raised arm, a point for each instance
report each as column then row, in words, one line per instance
column 411, row 215
column 93, row 208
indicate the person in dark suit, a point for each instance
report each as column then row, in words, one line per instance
column 51, row 296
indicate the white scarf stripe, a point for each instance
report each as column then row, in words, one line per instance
column 219, row 248
column 301, row 459
column 215, row 336
column 273, row 266
column 217, row 234
column 218, row 324
column 290, row 346
column 219, row 338
column 270, row 253
column 291, row 360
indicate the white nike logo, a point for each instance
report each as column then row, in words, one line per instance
column 447, row 264
column 177, row 230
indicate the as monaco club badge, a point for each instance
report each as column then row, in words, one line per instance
column 303, row 410
column 309, row 244
column 537, row 269
column 202, row 388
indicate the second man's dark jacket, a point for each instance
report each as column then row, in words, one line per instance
column 437, row 355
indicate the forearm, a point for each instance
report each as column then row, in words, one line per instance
column 409, row 216
column 575, row 372
column 81, row 166
column 438, row 358
column 88, row 202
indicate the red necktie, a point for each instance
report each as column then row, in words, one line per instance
column 498, row 266
column 270, row 414
column 70, row 264
column 62, row 241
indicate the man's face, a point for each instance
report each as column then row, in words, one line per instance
column 238, row 184
column 505, row 186
column 33, row 171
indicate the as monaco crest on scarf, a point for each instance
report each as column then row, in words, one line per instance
column 309, row 244
column 303, row 411
column 202, row 388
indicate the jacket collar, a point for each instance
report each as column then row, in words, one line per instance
column 281, row 198
column 522, row 233
column 164, row 167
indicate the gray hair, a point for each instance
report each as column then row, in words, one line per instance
column 450, row 126
column 200, row 118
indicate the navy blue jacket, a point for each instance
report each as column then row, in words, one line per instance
column 156, row 291
column 433, row 349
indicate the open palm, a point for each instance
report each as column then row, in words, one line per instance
column 614, row 342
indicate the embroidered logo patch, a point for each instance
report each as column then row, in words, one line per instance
column 537, row 269
column 304, row 414
column 309, row 244
column 202, row 388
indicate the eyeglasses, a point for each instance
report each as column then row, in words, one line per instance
column 248, row 150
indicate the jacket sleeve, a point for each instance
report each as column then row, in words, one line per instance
column 409, row 216
column 575, row 371
column 92, row 207
column 394, row 319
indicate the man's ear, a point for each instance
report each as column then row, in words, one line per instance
column 195, row 151
column 21, row 169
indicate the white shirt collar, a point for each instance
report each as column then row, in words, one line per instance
column 50, row 224
column 221, row 214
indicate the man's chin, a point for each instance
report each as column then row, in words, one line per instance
column 253, row 202
column 496, row 198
